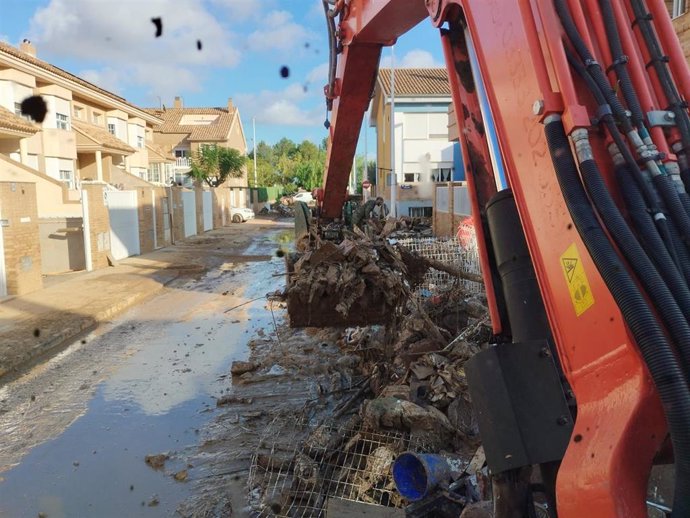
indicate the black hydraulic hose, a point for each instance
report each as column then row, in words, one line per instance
column 649, row 336
column 653, row 244
column 619, row 63
column 659, row 293
column 592, row 66
column 669, row 194
column 681, row 251
column 643, row 20
column 607, row 118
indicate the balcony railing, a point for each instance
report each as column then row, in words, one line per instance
column 183, row 162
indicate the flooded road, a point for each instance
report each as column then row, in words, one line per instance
column 76, row 430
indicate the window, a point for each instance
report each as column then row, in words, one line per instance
column 420, row 212
column 78, row 112
column 154, row 173
column 96, row 118
column 412, row 177
column 140, row 141
column 67, row 177
column 18, row 109
column 111, row 129
column 62, row 121
column 443, row 174
column 181, row 153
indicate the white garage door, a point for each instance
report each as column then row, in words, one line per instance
column 208, row 211
column 189, row 206
column 124, row 223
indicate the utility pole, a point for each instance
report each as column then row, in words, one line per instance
column 254, row 130
column 394, row 179
column 365, row 169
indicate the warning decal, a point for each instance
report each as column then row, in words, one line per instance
column 576, row 278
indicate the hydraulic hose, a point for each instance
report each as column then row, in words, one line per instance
column 659, row 63
column 649, row 336
column 665, row 257
column 681, row 251
column 674, row 318
column 592, row 66
column 671, row 198
column 619, row 63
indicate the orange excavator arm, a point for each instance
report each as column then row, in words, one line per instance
column 584, row 250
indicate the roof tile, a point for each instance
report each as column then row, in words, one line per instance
column 102, row 136
column 10, row 121
column 416, row 81
column 217, row 130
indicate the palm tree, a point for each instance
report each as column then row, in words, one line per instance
column 214, row 165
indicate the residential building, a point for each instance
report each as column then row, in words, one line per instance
column 186, row 131
column 423, row 154
column 88, row 134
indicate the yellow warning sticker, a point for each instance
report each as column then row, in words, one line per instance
column 576, row 278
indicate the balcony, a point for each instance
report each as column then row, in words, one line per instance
column 183, row 163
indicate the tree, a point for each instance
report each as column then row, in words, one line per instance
column 214, row 165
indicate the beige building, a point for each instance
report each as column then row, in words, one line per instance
column 186, row 131
column 423, row 154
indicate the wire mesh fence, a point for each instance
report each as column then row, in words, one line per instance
column 460, row 252
column 345, row 462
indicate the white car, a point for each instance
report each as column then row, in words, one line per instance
column 240, row 215
column 305, row 197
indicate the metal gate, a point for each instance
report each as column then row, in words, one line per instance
column 208, row 210
column 166, row 220
column 189, row 207
column 124, row 223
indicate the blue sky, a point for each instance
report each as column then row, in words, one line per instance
column 245, row 43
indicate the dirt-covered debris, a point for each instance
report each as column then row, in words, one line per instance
column 157, row 461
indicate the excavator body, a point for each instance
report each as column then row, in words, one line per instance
column 583, row 244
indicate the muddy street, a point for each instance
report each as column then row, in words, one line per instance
column 77, row 428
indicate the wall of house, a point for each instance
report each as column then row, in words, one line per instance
column 19, row 215
column 682, row 26
column 51, row 194
column 198, row 195
column 178, row 214
column 99, row 224
column 62, row 245
column 451, row 207
column 162, row 195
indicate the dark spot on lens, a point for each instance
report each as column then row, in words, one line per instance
column 306, row 45
column 37, row 332
column 158, row 22
column 35, row 107
column 83, row 342
column 284, row 72
column 280, row 252
column 198, row 45
column 305, row 88
column 577, row 438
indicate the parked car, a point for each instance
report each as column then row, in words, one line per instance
column 240, row 215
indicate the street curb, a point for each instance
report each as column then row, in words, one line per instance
column 78, row 327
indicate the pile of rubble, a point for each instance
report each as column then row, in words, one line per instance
column 414, row 394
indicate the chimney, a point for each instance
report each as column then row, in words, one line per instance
column 27, row 48
column 178, row 102
column 230, row 105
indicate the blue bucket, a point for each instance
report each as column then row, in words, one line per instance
column 417, row 474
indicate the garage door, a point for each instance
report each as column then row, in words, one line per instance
column 124, row 223
column 208, row 211
column 189, row 205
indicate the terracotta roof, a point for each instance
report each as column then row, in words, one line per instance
column 416, row 81
column 6, row 48
column 13, row 122
column 217, row 130
column 160, row 151
column 101, row 136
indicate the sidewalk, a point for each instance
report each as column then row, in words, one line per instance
column 33, row 325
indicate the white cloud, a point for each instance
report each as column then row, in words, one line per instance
column 242, row 9
column 319, row 74
column 416, row 58
column 278, row 32
column 283, row 107
column 121, row 36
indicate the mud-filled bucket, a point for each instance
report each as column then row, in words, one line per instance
column 417, row 474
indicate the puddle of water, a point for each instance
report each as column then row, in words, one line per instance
column 156, row 401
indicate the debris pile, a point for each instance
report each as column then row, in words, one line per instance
column 414, row 396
